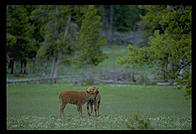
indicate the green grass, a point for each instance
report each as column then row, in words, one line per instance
column 35, row 106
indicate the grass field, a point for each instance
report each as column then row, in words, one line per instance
column 35, row 107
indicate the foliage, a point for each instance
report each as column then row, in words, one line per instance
column 56, row 18
column 37, row 31
column 20, row 41
column 150, row 18
column 89, row 41
column 11, row 40
column 124, row 18
column 61, row 34
column 170, row 49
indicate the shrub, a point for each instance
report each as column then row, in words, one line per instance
column 139, row 124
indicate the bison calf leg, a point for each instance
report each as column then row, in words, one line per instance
column 97, row 108
column 79, row 108
column 61, row 108
column 87, row 106
column 91, row 108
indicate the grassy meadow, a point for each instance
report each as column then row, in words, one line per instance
column 35, row 107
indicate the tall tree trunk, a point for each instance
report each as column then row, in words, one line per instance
column 57, row 60
column 26, row 67
column 54, row 69
column 165, row 69
column 91, row 75
column 21, row 66
column 53, row 64
column 34, row 65
column 13, row 66
column 67, row 27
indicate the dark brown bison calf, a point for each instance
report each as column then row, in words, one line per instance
column 96, row 101
column 75, row 97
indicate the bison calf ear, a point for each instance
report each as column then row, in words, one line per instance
column 87, row 91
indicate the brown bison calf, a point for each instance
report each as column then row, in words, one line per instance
column 95, row 101
column 75, row 97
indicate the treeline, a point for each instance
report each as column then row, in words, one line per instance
column 71, row 32
column 118, row 18
column 74, row 34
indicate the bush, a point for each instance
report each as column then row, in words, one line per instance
column 139, row 124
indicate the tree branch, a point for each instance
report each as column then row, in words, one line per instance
column 67, row 27
column 182, row 67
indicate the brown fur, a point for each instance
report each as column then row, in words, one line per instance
column 75, row 97
column 96, row 101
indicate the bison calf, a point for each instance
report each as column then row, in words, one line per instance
column 95, row 101
column 75, row 97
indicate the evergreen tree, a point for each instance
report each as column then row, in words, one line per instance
column 89, row 41
column 62, row 40
column 122, row 19
column 20, row 41
column 118, row 18
column 170, row 46
column 59, row 34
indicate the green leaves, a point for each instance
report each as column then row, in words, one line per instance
column 170, row 43
column 11, row 40
column 89, row 40
column 74, row 32
column 20, row 30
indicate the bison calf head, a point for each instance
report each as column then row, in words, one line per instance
column 93, row 89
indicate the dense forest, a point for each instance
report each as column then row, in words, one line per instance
column 75, row 35
column 64, row 34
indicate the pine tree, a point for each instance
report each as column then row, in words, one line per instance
column 89, row 41
column 170, row 45
column 59, row 34
column 20, row 41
